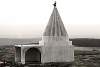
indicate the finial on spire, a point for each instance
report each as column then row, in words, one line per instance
column 54, row 4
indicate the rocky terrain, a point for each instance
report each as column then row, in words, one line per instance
column 87, row 59
column 82, row 58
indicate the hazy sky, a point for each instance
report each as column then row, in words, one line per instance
column 28, row 18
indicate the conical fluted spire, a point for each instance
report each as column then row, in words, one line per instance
column 55, row 25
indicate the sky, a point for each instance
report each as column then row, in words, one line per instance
column 28, row 18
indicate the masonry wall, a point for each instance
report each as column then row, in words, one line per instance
column 57, row 51
column 17, row 54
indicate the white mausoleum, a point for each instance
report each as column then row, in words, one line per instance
column 54, row 46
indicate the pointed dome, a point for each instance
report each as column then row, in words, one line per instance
column 55, row 25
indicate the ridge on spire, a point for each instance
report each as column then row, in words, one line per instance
column 55, row 25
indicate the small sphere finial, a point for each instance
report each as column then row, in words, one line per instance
column 54, row 4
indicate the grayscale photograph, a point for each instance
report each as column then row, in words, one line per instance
column 49, row 33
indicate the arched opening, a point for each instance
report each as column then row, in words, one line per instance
column 33, row 56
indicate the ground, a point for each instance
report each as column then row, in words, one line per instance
column 87, row 59
column 82, row 58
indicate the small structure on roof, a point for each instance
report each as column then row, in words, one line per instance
column 54, row 46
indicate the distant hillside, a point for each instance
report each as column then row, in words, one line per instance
column 14, row 41
column 86, row 42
